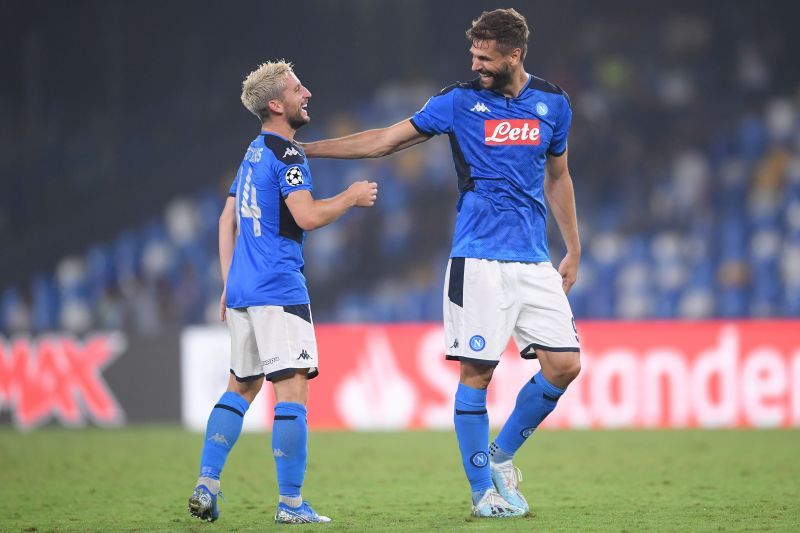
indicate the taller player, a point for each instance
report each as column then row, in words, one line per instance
column 261, row 234
column 508, row 133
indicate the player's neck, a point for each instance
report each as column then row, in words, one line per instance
column 518, row 82
column 281, row 128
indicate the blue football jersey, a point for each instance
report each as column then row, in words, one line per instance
column 267, row 265
column 500, row 147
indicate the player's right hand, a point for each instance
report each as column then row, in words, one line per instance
column 222, row 306
column 365, row 192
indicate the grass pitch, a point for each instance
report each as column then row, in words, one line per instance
column 139, row 479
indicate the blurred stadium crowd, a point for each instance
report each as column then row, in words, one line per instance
column 685, row 153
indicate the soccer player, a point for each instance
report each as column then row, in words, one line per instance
column 265, row 301
column 508, row 134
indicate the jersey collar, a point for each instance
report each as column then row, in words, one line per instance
column 276, row 135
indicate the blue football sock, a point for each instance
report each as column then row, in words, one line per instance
column 472, row 430
column 290, row 446
column 224, row 427
column 534, row 402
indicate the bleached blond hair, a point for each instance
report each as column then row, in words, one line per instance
column 265, row 83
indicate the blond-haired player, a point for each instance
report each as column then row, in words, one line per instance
column 265, row 301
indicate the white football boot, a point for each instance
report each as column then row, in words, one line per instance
column 506, row 478
column 492, row 505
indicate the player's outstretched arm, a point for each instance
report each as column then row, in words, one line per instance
column 227, row 240
column 561, row 196
column 311, row 214
column 370, row 143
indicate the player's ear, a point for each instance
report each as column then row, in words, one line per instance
column 276, row 106
column 516, row 56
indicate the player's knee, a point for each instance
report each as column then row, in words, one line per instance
column 476, row 376
column 246, row 389
column 574, row 370
column 477, row 381
column 292, row 388
column 570, row 369
column 561, row 368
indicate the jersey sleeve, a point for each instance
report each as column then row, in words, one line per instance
column 293, row 177
column 558, row 144
column 436, row 116
column 234, row 185
column 289, row 165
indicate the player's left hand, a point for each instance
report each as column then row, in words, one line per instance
column 569, row 271
column 222, row 306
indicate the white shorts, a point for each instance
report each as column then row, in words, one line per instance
column 271, row 341
column 486, row 301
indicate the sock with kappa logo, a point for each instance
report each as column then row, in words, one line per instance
column 472, row 431
column 290, row 449
column 222, row 431
column 535, row 401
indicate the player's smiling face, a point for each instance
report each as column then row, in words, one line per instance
column 493, row 66
column 295, row 102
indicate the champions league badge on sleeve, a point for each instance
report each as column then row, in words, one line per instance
column 294, row 176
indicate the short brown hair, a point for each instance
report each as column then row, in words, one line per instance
column 505, row 26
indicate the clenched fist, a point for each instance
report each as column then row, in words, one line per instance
column 365, row 193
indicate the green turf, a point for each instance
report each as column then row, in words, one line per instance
column 140, row 478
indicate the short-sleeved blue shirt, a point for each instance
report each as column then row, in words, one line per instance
column 500, row 146
column 267, row 264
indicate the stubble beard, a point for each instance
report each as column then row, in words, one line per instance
column 500, row 80
column 297, row 121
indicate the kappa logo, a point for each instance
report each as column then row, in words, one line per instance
column 290, row 151
column 219, row 438
column 304, row 355
column 480, row 107
column 277, row 452
column 454, row 346
column 514, row 132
